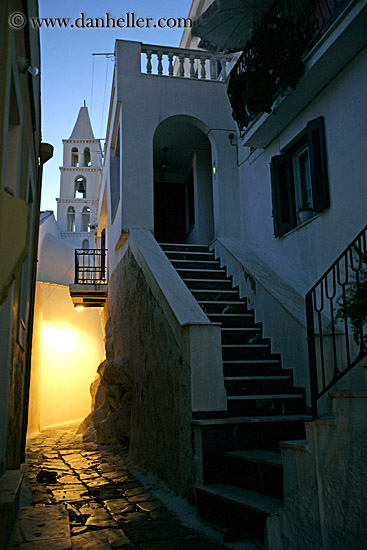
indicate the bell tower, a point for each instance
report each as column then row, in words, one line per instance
column 79, row 181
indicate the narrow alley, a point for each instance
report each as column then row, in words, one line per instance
column 81, row 497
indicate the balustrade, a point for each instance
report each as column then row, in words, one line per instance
column 185, row 63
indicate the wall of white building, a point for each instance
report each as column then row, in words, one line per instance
column 302, row 255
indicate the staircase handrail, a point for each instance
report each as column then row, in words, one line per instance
column 343, row 343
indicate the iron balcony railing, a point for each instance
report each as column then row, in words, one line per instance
column 310, row 20
column 90, row 266
column 336, row 309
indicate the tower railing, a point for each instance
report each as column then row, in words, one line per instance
column 90, row 267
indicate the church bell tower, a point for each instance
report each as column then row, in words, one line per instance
column 79, row 181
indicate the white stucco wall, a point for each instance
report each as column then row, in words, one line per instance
column 201, row 102
column 302, row 255
column 68, row 347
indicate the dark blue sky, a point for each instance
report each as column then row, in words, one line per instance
column 67, row 66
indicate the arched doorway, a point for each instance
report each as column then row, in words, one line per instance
column 183, row 193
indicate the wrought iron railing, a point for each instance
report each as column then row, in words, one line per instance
column 310, row 20
column 336, row 308
column 90, row 266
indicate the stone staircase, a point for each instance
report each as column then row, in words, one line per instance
column 242, row 485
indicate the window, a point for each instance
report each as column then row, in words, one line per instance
column 71, row 219
column 85, row 244
column 87, row 161
column 86, row 219
column 12, row 143
column 115, row 175
column 74, row 157
column 80, row 187
column 299, row 180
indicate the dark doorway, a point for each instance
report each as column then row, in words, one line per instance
column 183, row 188
column 169, row 212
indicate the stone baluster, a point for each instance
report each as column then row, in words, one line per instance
column 149, row 61
column 170, row 64
column 203, row 69
column 160, row 64
column 192, row 66
column 224, row 63
column 213, row 69
column 181, row 68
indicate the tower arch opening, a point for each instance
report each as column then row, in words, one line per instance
column 183, row 193
column 75, row 157
column 80, row 187
column 86, row 219
column 87, row 157
column 71, row 219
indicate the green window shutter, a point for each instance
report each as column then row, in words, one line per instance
column 318, row 164
column 284, row 208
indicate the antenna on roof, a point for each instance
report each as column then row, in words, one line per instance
column 84, row 104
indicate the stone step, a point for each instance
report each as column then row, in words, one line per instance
column 246, row 351
column 259, row 456
column 43, row 527
column 252, row 378
column 230, row 306
column 249, row 367
column 241, row 335
column 169, row 247
column 256, row 419
column 265, row 396
column 203, row 274
column 215, row 295
column 196, row 264
column 208, row 284
column 265, row 404
column 10, row 486
column 232, row 320
column 243, row 512
column 242, row 497
column 257, row 470
column 189, row 255
column 237, row 385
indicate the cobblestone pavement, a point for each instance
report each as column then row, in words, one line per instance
column 84, row 498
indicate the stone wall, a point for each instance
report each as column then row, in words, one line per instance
column 160, row 429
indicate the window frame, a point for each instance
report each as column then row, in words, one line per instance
column 286, row 182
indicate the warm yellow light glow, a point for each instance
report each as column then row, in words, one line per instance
column 68, row 347
column 79, row 308
column 214, row 170
column 59, row 338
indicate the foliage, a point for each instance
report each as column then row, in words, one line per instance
column 354, row 307
column 272, row 64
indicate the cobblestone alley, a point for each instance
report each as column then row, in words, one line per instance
column 82, row 497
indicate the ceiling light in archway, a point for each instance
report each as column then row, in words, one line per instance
column 165, row 163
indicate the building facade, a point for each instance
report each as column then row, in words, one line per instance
column 265, row 352
column 21, row 158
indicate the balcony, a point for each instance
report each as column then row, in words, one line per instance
column 90, row 286
column 296, row 50
column 185, row 63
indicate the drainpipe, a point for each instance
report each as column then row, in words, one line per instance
column 46, row 152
